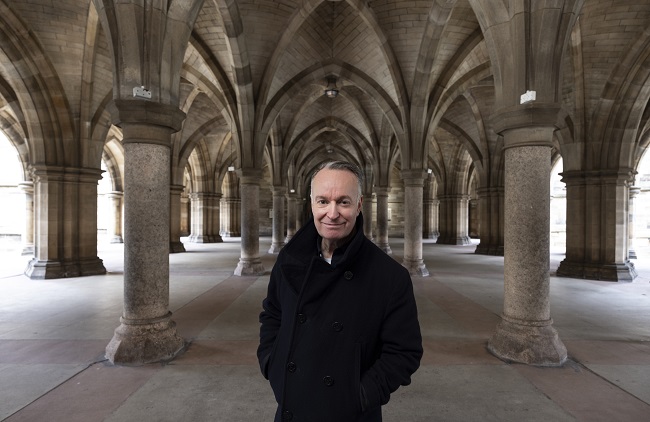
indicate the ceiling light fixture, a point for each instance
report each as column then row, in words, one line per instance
column 331, row 91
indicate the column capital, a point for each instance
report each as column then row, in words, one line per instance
column 581, row 177
column 413, row 177
column 146, row 112
column 526, row 116
column 249, row 176
column 382, row 190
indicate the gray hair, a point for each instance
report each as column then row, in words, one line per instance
column 340, row 165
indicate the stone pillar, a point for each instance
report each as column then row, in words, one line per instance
column 413, row 192
column 65, row 223
column 249, row 261
column 185, row 214
column 205, row 218
column 292, row 209
column 597, row 207
column 175, row 244
column 28, row 234
column 146, row 333
column 430, row 221
column 453, row 220
column 491, row 216
column 631, row 253
column 382, row 218
column 526, row 334
column 473, row 218
column 115, row 228
column 366, row 210
column 277, row 238
column 231, row 207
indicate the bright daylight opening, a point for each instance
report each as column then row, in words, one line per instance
column 12, row 211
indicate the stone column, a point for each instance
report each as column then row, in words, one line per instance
column 430, row 221
column 526, row 334
column 185, row 214
column 597, row 207
column 28, row 234
column 631, row 253
column 146, row 333
column 413, row 196
column 215, row 218
column 175, row 244
column 366, row 210
column 491, row 226
column 231, row 217
column 65, row 223
column 453, row 220
column 382, row 218
column 292, row 208
column 115, row 229
column 277, row 238
column 249, row 261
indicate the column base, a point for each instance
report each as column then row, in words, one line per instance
column 631, row 254
column 176, row 247
column 116, row 239
column 482, row 249
column 620, row 272
column 42, row 270
column 137, row 342
column 416, row 267
column 276, row 247
column 211, row 238
column 251, row 266
column 287, row 239
column 28, row 250
column 385, row 247
column 531, row 342
column 459, row 240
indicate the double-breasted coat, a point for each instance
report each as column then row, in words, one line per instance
column 336, row 340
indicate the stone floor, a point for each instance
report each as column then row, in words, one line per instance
column 53, row 334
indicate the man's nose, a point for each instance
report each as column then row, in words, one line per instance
column 332, row 210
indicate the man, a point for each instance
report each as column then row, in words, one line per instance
column 339, row 330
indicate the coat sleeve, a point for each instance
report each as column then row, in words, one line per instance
column 270, row 319
column 401, row 348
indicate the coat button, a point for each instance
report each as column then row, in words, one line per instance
column 337, row 326
column 291, row 367
column 287, row 416
column 328, row 381
column 348, row 275
column 302, row 318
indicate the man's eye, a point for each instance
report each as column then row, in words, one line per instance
column 345, row 202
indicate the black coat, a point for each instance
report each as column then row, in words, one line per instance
column 336, row 340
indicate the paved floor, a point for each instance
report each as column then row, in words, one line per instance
column 53, row 334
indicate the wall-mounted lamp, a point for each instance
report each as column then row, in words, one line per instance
column 292, row 190
column 231, row 168
column 331, row 91
column 429, row 171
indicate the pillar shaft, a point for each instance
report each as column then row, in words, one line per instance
column 413, row 196
column 65, row 223
column 491, row 215
column 175, row 244
column 249, row 260
column 597, row 226
column 526, row 334
column 366, row 209
column 382, row 219
column 115, row 226
column 278, row 236
column 631, row 252
column 430, row 229
column 205, row 217
column 292, row 210
column 454, row 220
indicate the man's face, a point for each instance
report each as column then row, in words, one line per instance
column 335, row 203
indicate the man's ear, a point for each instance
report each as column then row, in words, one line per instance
column 359, row 205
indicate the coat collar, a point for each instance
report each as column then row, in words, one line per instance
column 303, row 246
